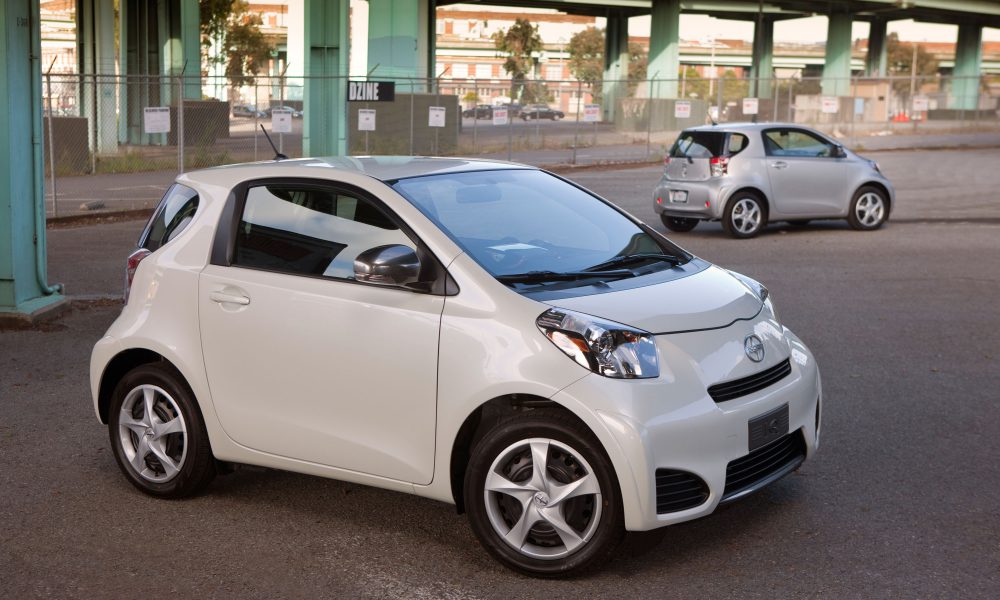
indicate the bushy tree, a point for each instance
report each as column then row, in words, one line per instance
column 586, row 57
column 234, row 31
column 518, row 43
column 899, row 57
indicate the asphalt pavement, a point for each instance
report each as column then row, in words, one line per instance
column 900, row 501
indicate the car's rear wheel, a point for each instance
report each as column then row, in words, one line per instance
column 679, row 224
column 158, row 435
column 542, row 496
column 745, row 215
column 869, row 208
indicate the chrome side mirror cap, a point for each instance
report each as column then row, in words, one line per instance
column 394, row 264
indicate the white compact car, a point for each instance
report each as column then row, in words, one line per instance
column 480, row 333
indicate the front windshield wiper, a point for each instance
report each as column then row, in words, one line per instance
column 627, row 259
column 542, row 276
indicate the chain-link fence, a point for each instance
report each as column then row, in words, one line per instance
column 118, row 142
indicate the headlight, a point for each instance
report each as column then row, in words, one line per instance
column 760, row 290
column 604, row 347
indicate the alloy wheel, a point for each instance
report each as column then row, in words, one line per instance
column 869, row 209
column 152, row 433
column 746, row 216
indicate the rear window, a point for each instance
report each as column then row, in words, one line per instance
column 699, row 144
column 172, row 216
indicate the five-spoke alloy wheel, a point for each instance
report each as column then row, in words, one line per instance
column 541, row 495
column 157, row 433
column 745, row 215
column 869, row 209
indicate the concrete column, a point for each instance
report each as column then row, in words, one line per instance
column 325, row 49
column 401, row 38
column 23, row 290
column 762, row 63
column 876, row 61
column 98, row 85
column 615, row 63
column 968, row 67
column 837, row 70
column 664, row 47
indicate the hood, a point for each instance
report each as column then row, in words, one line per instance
column 706, row 300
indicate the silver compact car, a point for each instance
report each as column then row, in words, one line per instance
column 747, row 175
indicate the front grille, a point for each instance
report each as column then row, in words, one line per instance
column 678, row 490
column 764, row 465
column 730, row 390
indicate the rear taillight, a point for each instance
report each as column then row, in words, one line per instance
column 719, row 165
column 131, row 264
column 666, row 161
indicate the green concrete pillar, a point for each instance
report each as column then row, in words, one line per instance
column 837, row 70
column 95, row 23
column 401, row 39
column 23, row 290
column 325, row 41
column 876, row 61
column 664, row 47
column 615, row 63
column 968, row 65
column 762, row 63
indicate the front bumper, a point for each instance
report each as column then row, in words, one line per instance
column 672, row 424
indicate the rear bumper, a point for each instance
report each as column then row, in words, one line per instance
column 705, row 199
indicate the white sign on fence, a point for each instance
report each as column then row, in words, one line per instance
column 750, row 106
column 156, row 119
column 859, row 106
column 435, row 117
column 830, row 104
column 366, row 119
column 591, row 113
column 281, row 120
column 682, row 109
column 499, row 115
column 921, row 104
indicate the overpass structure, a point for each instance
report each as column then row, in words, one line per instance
column 163, row 38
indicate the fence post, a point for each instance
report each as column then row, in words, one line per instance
column 180, row 123
column 475, row 114
column 576, row 129
column 52, row 151
column 791, row 84
column 775, row 118
column 437, row 102
column 256, row 125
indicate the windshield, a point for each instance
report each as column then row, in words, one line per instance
column 525, row 221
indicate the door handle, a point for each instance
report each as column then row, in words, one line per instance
column 222, row 297
column 779, row 164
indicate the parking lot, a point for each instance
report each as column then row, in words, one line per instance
column 900, row 502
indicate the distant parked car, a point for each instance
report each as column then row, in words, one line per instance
column 748, row 175
column 480, row 111
column 541, row 111
column 247, row 110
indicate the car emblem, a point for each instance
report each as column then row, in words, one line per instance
column 754, row 348
column 684, row 171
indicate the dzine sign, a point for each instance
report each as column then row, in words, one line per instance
column 371, row 91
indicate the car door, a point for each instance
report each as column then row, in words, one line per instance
column 807, row 178
column 303, row 361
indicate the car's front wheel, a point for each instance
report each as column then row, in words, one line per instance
column 678, row 224
column 542, row 496
column 869, row 209
column 158, row 435
column 745, row 215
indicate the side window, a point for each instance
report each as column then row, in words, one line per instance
column 737, row 143
column 794, row 142
column 310, row 230
column 176, row 210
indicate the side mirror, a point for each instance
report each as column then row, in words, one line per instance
column 388, row 265
column 838, row 151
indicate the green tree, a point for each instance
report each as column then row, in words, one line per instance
column 899, row 57
column 234, row 31
column 693, row 85
column 519, row 43
column 586, row 59
column 638, row 64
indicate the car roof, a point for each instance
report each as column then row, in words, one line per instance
column 382, row 168
column 744, row 127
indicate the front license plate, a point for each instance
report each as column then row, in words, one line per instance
column 678, row 196
column 768, row 427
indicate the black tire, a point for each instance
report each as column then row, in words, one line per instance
column 800, row 222
column 597, row 520
column 869, row 208
column 188, row 454
column 738, row 218
column 679, row 224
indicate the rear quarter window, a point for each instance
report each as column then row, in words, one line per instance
column 172, row 216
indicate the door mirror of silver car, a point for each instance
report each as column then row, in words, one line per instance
column 388, row 265
column 838, row 151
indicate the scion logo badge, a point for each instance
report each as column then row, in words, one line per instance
column 754, row 348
